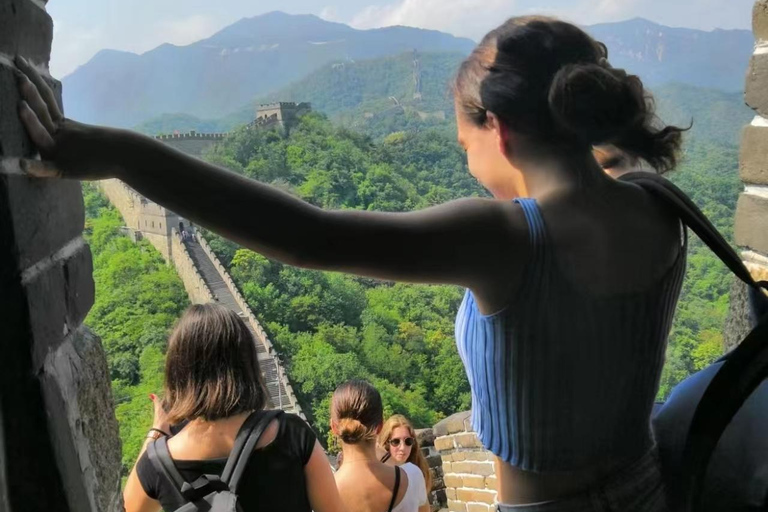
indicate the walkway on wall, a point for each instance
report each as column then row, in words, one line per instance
column 222, row 295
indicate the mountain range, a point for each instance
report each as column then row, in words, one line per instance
column 257, row 57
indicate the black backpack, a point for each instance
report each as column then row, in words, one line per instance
column 212, row 493
column 689, row 426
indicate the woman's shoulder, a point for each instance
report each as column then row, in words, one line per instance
column 414, row 472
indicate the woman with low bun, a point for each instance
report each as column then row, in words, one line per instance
column 572, row 277
column 365, row 483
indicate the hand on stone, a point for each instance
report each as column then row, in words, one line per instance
column 68, row 149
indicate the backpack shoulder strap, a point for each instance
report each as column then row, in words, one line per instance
column 160, row 457
column 743, row 370
column 692, row 217
column 245, row 442
column 396, row 489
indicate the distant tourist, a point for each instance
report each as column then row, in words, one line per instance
column 214, row 383
column 398, row 439
column 365, row 483
column 572, row 277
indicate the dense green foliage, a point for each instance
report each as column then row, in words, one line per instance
column 138, row 298
column 709, row 175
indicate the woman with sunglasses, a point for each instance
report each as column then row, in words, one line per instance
column 398, row 439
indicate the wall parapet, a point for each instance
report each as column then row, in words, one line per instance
column 191, row 135
column 261, row 334
column 468, row 468
column 197, row 288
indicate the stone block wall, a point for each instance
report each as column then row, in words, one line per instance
column 468, row 468
column 751, row 230
column 426, row 439
column 59, row 444
column 192, row 143
column 194, row 284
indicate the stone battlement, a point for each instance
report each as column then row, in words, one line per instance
column 192, row 135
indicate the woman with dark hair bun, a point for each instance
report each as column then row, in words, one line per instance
column 572, row 277
column 365, row 483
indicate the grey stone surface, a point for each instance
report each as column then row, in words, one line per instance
column 756, row 92
column 47, row 215
column 753, row 160
column 78, row 371
column 425, row 437
column 25, row 29
column 737, row 322
column 458, row 422
column 752, row 223
column 760, row 20
column 14, row 140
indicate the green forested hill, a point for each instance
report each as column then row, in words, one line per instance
column 377, row 97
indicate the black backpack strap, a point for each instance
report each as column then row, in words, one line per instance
column 743, row 369
column 245, row 442
column 396, row 489
column 160, row 457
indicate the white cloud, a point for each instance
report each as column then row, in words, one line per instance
column 330, row 13
column 186, row 30
column 468, row 18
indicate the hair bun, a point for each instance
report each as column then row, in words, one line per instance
column 595, row 103
column 352, row 431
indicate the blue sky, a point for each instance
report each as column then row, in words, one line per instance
column 83, row 27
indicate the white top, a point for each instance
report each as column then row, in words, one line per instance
column 416, row 494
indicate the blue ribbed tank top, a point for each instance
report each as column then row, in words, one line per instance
column 561, row 379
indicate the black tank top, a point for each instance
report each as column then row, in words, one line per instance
column 273, row 480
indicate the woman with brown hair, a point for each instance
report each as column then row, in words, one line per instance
column 365, row 483
column 213, row 383
column 398, row 439
column 572, row 277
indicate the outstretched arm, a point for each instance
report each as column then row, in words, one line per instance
column 465, row 242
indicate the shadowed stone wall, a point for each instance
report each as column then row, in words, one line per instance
column 752, row 211
column 59, row 444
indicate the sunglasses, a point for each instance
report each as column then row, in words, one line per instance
column 396, row 441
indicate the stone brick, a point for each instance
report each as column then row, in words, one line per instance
column 490, row 483
column 458, row 422
column 447, row 467
column 459, row 456
column 760, row 19
column 753, row 161
column 476, row 495
column 462, row 467
column 456, row 506
column 425, row 437
column 446, row 457
column 58, row 298
column 474, row 481
column 25, row 29
column 453, row 481
column 47, row 214
column 479, row 455
column 14, row 141
column 483, row 468
column 751, row 215
column 756, row 92
column 479, row 507
column 77, row 386
column 468, row 440
column 450, row 493
column 444, row 443
column 434, row 461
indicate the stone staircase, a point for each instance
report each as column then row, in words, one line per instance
column 270, row 367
